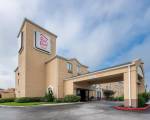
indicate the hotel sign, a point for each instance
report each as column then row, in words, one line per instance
column 42, row 42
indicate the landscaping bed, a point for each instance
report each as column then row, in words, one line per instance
column 132, row 109
column 32, row 101
column 22, row 104
column 143, row 98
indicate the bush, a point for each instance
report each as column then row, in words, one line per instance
column 3, row 100
column 59, row 100
column 72, row 98
column 49, row 96
column 108, row 93
column 141, row 101
column 143, row 98
column 146, row 96
column 121, row 98
column 29, row 99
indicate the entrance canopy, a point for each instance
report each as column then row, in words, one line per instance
column 108, row 75
column 132, row 73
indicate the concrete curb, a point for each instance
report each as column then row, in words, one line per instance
column 57, row 104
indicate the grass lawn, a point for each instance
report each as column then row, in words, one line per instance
column 23, row 104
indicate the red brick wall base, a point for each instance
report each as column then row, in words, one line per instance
column 134, row 103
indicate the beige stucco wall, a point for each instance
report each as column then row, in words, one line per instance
column 61, row 72
column 31, row 63
column 117, row 87
column 35, row 63
column 20, row 74
column 68, row 87
column 7, row 95
column 52, row 76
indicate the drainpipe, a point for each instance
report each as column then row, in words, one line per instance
column 129, row 81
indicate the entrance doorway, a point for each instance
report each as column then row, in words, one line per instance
column 83, row 93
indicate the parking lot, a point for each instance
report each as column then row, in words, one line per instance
column 86, row 111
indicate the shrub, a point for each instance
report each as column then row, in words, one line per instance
column 141, row 101
column 146, row 96
column 72, row 98
column 143, row 98
column 3, row 100
column 59, row 100
column 49, row 96
column 121, row 98
column 108, row 93
column 29, row 99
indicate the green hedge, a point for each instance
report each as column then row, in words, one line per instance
column 59, row 100
column 121, row 98
column 143, row 98
column 141, row 101
column 72, row 98
column 29, row 99
column 49, row 97
column 3, row 100
column 146, row 96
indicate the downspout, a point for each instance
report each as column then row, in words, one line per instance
column 129, row 81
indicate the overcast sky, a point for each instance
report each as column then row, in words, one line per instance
column 100, row 33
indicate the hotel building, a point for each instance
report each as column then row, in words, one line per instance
column 40, row 69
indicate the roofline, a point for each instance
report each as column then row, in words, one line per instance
column 60, row 57
column 111, row 68
column 78, row 62
column 31, row 22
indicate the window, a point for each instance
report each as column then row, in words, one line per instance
column 79, row 69
column 69, row 67
column 18, row 81
column 20, row 40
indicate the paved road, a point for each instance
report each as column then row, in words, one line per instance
column 87, row 111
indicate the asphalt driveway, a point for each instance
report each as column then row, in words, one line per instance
column 87, row 111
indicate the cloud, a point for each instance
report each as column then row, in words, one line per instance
column 139, row 51
column 98, row 33
column 94, row 33
column 12, row 14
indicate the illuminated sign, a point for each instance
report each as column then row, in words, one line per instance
column 42, row 42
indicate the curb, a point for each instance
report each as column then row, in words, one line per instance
column 57, row 104
column 131, row 109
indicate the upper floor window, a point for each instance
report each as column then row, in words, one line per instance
column 20, row 41
column 79, row 69
column 69, row 67
column 18, row 81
